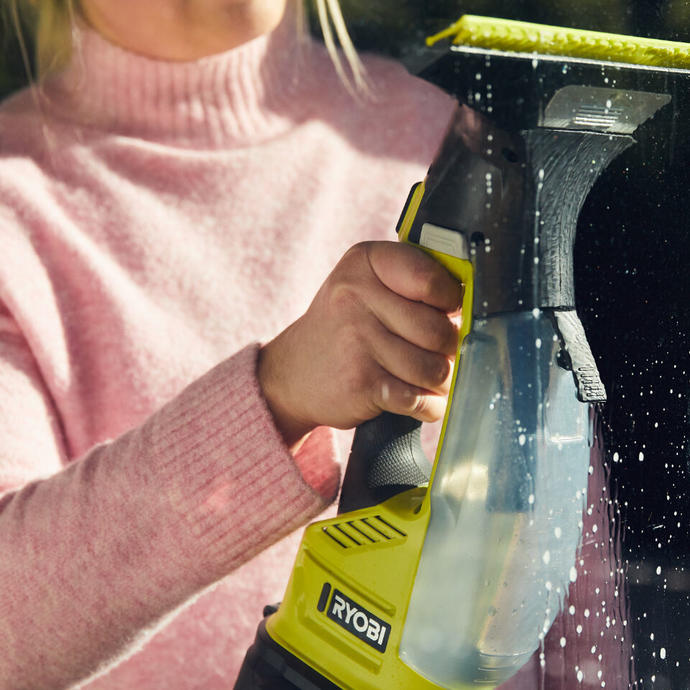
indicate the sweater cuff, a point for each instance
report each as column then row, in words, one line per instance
column 228, row 471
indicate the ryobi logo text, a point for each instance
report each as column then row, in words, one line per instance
column 358, row 621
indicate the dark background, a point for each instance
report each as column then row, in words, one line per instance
column 632, row 259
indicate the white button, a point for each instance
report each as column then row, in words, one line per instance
column 444, row 240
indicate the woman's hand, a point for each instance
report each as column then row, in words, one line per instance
column 381, row 334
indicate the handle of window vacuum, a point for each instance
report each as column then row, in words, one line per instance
column 386, row 457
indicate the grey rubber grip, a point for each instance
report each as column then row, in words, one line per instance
column 386, row 458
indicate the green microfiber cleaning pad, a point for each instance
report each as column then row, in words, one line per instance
column 525, row 37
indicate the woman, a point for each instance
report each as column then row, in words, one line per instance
column 171, row 199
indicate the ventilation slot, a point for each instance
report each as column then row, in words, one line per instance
column 364, row 532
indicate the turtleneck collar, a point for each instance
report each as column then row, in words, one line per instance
column 247, row 94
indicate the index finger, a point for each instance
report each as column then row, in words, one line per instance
column 413, row 274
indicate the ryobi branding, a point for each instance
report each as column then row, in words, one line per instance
column 358, row 621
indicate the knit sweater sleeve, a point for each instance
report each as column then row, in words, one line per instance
column 96, row 554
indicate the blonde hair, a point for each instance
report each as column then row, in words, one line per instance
column 330, row 14
column 50, row 22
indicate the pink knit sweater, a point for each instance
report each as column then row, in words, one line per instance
column 157, row 221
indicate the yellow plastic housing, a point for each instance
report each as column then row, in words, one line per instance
column 525, row 37
column 374, row 570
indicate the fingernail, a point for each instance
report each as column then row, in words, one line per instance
column 456, row 318
column 385, row 392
